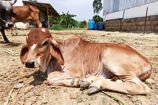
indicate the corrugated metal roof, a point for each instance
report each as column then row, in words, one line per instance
column 43, row 7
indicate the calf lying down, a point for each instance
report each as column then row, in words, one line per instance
column 88, row 65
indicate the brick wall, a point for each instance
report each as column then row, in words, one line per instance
column 133, row 25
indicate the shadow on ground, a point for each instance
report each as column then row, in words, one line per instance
column 10, row 44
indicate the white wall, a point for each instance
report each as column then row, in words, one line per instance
column 153, row 9
column 135, row 12
column 115, row 15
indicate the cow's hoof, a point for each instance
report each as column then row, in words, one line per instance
column 93, row 90
column 84, row 85
column 6, row 41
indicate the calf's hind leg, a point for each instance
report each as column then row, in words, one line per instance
column 130, row 86
column 61, row 79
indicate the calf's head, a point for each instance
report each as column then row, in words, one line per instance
column 6, row 12
column 40, row 49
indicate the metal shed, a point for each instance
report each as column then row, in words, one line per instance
column 111, row 6
column 131, row 15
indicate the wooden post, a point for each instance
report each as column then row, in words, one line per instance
column 145, row 20
column 122, row 19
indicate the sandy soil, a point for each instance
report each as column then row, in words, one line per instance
column 22, row 86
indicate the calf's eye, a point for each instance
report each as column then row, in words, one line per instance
column 45, row 43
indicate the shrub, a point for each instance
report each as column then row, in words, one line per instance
column 97, row 19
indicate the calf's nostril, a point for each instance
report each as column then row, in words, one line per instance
column 30, row 64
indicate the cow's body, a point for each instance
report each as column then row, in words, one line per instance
column 6, row 11
column 96, row 58
column 98, row 66
column 26, row 13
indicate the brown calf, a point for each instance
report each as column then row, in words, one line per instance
column 97, row 66
column 26, row 13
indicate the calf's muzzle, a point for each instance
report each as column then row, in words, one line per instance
column 30, row 64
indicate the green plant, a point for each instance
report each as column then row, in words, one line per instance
column 54, row 19
column 97, row 19
column 65, row 20
column 57, row 27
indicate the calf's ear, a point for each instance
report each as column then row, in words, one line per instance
column 24, row 53
column 56, row 53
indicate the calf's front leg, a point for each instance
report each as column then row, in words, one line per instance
column 61, row 79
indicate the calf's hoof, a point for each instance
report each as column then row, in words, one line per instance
column 84, row 84
column 6, row 41
column 93, row 90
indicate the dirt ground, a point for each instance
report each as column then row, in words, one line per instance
column 22, row 86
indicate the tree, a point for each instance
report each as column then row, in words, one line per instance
column 97, row 6
column 65, row 19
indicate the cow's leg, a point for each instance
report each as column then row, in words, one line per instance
column 4, row 36
column 38, row 23
column 60, row 78
column 130, row 85
column 37, row 20
column 13, row 32
column 84, row 83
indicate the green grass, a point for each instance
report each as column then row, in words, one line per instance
column 57, row 27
